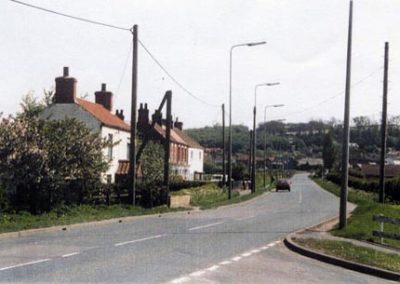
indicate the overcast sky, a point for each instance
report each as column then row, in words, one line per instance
column 305, row 52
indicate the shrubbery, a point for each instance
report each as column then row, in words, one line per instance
column 392, row 186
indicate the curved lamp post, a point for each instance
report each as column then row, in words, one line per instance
column 253, row 172
column 250, row 44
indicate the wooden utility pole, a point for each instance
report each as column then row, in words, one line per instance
column 250, row 152
column 132, row 150
column 223, row 145
column 254, row 148
column 346, row 130
column 384, row 127
column 167, row 145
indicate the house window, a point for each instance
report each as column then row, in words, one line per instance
column 110, row 147
column 199, row 155
column 191, row 155
column 109, row 179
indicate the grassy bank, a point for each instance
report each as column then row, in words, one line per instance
column 360, row 224
column 348, row 251
column 211, row 196
column 72, row 215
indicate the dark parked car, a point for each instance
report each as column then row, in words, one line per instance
column 283, row 184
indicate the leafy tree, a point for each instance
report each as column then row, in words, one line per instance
column 328, row 151
column 152, row 164
column 39, row 159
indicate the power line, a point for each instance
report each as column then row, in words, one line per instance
column 337, row 95
column 172, row 77
column 124, row 29
column 69, row 16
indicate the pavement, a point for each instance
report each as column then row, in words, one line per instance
column 321, row 232
column 241, row 243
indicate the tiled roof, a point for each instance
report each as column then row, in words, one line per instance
column 174, row 136
column 373, row 170
column 192, row 143
column 103, row 115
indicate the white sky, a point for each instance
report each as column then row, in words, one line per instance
column 306, row 53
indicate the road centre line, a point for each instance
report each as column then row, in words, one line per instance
column 180, row 280
column 70, row 254
column 25, row 264
column 139, row 240
column 205, row 226
column 245, row 218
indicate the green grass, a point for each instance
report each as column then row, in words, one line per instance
column 211, row 196
column 71, row 215
column 360, row 225
column 348, row 251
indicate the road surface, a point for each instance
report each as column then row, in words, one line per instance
column 225, row 245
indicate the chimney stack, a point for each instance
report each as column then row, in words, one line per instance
column 120, row 114
column 65, row 88
column 157, row 117
column 178, row 124
column 143, row 118
column 104, row 97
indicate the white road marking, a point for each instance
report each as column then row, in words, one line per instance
column 212, row 268
column 180, row 280
column 204, row 226
column 255, row 251
column 225, row 262
column 139, row 240
column 246, row 254
column 245, row 218
column 70, row 254
column 197, row 273
column 25, row 264
column 264, row 248
column 236, row 258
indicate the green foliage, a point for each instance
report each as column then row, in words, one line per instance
column 32, row 107
column 39, row 159
column 152, row 164
column 328, row 151
column 348, row 251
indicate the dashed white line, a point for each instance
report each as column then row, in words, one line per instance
column 255, row 251
column 204, row 226
column 237, row 258
column 225, row 262
column 180, row 280
column 246, row 254
column 139, row 240
column 245, row 218
column 69, row 254
column 197, row 273
column 212, row 268
column 25, row 264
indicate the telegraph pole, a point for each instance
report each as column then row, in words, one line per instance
column 384, row 127
column 346, row 130
column 250, row 152
column 132, row 152
column 253, row 172
column 223, row 145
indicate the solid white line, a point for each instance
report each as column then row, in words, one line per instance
column 204, row 226
column 70, row 254
column 24, row 264
column 180, row 280
column 244, row 218
column 197, row 273
column 139, row 240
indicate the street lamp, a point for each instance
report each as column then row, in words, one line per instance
column 251, row 44
column 253, row 172
column 265, row 138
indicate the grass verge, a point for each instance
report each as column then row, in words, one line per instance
column 211, row 196
column 360, row 225
column 73, row 215
column 348, row 251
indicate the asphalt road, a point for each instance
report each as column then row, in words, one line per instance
column 174, row 248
